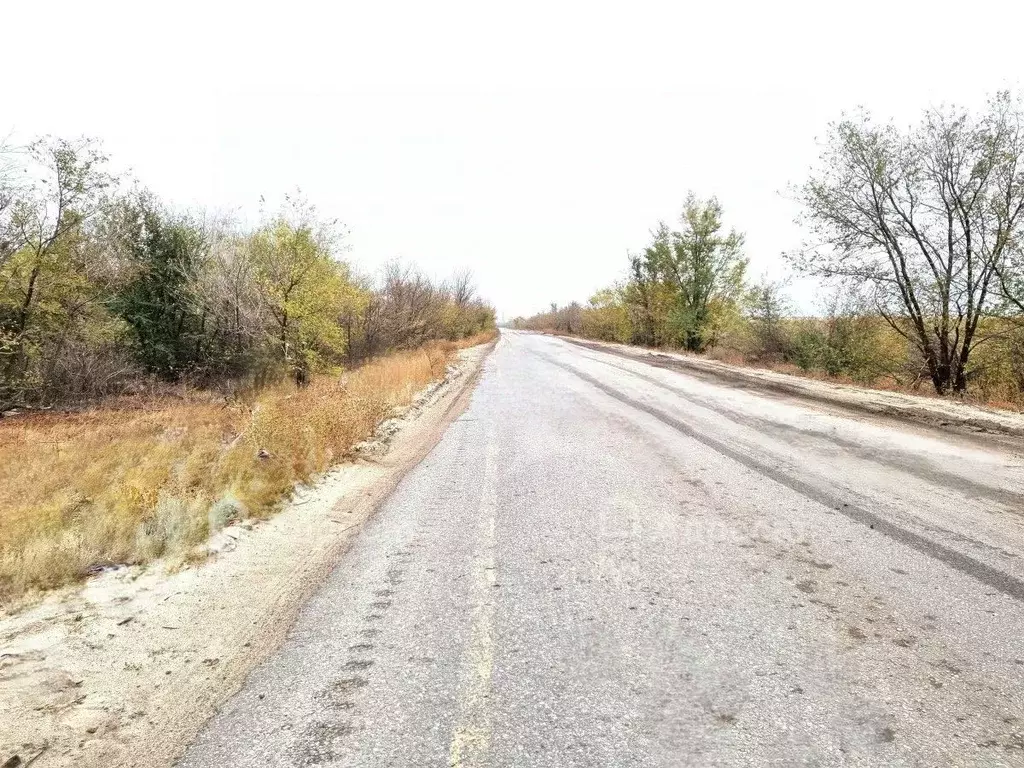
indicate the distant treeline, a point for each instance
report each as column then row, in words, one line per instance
column 915, row 234
column 103, row 287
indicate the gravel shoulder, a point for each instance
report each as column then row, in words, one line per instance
column 948, row 415
column 126, row 669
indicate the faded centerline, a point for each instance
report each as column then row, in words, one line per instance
column 471, row 736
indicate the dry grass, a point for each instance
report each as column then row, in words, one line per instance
column 133, row 481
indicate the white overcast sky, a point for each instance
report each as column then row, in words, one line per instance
column 534, row 142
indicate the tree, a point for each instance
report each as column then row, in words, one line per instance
column 1011, row 283
column 645, row 292
column 46, row 270
column 9, row 190
column 460, row 288
column 163, row 253
column 459, row 295
column 767, row 307
column 304, row 289
column 225, row 295
column 707, row 270
column 411, row 307
column 606, row 316
column 926, row 218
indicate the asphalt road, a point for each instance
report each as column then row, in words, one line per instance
column 603, row 563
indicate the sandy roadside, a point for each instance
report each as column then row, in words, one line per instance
column 124, row 670
column 945, row 414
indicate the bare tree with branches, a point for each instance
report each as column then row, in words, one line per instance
column 926, row 218
column 460, row 288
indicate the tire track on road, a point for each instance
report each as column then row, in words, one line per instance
column 1014, row 502
column 986, row 574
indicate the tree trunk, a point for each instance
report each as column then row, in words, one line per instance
column 960, row 375
column 940, row 375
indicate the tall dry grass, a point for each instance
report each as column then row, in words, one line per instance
column 134, row 481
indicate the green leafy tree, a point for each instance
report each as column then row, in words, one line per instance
column 305, row 290
column 45, row 275
column 646, row 295
column 162, row 253
column 706, row 269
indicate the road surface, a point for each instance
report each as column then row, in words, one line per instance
column 604, row 563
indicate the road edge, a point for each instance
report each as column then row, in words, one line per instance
column 400, row 459
column 976, row 424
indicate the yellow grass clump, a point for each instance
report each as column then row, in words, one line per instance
column 132, row 481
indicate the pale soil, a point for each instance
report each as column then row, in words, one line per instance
column 948, row 414
column 124, row 670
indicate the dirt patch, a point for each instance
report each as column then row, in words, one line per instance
column 125, row 670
